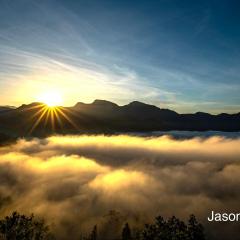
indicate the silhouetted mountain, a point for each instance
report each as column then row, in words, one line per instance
column 103, row 116
column 5, row 108
column 28, row 106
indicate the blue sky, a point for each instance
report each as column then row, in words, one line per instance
column 183, row 55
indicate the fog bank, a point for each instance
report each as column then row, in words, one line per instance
column 73, row 181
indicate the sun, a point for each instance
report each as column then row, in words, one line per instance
column 51, row 98
column 50, row 113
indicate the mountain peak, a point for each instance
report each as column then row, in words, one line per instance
column 202, row 114
column 6, row 108
column 79, row 104
column 104, row 103
column 137, row 104
column 33, row 104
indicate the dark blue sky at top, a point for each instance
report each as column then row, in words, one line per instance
column 183, row 55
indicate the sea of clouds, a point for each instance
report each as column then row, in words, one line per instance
column 74, row 181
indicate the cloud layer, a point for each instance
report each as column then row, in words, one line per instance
column 73, row 181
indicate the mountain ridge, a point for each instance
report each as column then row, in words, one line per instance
column 102, row 101
column 103, row 116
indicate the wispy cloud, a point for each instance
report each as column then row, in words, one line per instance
column 117, row 54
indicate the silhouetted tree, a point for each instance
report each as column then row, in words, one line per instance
column 195, row 229
column 111, row 225
column 156, row 231
column 173, row 229
column 137, row 235
column 93, row 235
column 126, row 232
column 177, row 229
column 21, row 227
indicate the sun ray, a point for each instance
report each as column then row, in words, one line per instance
column 42, row 108
column 47, row 117
column 37, row 105
column 52, row 119
column 58, row 117
column 38, row 120
column 68, row 118
column 50, row 114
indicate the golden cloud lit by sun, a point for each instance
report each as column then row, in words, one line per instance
column 81, row 177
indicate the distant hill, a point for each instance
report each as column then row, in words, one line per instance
column 5, row 108
column 103, row 116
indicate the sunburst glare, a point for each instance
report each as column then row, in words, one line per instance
column 51, row 98
column 49, row 114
